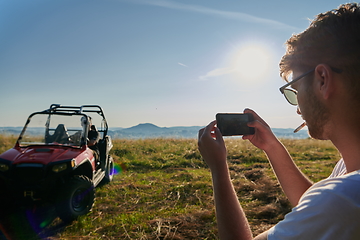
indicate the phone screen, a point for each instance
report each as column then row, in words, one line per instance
column 232, row 124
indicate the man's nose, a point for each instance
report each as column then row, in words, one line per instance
column 298, row 111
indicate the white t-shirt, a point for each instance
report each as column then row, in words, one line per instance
column 339, row 169
column 330, row 209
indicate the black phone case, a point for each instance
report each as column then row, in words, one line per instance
column 234, row 124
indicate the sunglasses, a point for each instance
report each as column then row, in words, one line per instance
column 290, row 94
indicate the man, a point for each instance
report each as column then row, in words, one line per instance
column 93, row 135
column 93, row 139
column 324, row 61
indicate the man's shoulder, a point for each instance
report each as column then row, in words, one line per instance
column 326, row 208
column 330, row 189
column 340, row 181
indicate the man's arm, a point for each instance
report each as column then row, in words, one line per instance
column 293, row 182
column 231, row 219
column 262, row 236
column 232, row 222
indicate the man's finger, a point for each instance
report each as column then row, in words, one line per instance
column 218, row 135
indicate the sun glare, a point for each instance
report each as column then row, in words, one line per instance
column 252, row 62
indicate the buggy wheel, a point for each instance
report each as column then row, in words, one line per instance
column 76, row 198
column 109, row 171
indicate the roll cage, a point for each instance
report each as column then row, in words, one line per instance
column 59, row 110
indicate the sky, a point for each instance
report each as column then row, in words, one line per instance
column 166, row 62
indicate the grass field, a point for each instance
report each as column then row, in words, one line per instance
column 162, row 190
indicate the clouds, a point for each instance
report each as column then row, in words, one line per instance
column 248, row 19
column 217, row 72
column 239, row 16
column 181, row 64
column 251, row 62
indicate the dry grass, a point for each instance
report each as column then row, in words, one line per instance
column 163, row 190
column 6, row 142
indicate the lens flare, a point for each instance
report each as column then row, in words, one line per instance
column 119, row 168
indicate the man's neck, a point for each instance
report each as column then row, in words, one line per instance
column 347, row 141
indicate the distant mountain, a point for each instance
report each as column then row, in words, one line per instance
column 10, row 130
column 149, row 130
column 289, row 133
column 148, row 127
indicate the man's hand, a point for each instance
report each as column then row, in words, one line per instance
column 211, row 146
column 263, row 138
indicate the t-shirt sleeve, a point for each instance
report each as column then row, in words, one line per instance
column 331, row 210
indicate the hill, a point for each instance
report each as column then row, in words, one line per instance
column 149, row 130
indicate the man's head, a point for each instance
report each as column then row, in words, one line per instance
column 332, row 38
column 331, row 46
column 85, row 120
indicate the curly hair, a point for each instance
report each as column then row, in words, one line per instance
column 332, row 38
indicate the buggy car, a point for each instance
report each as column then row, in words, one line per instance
column 52, row 162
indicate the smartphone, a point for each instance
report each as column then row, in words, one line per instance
column 232, row 124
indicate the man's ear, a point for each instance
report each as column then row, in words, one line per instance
column 324, row 78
